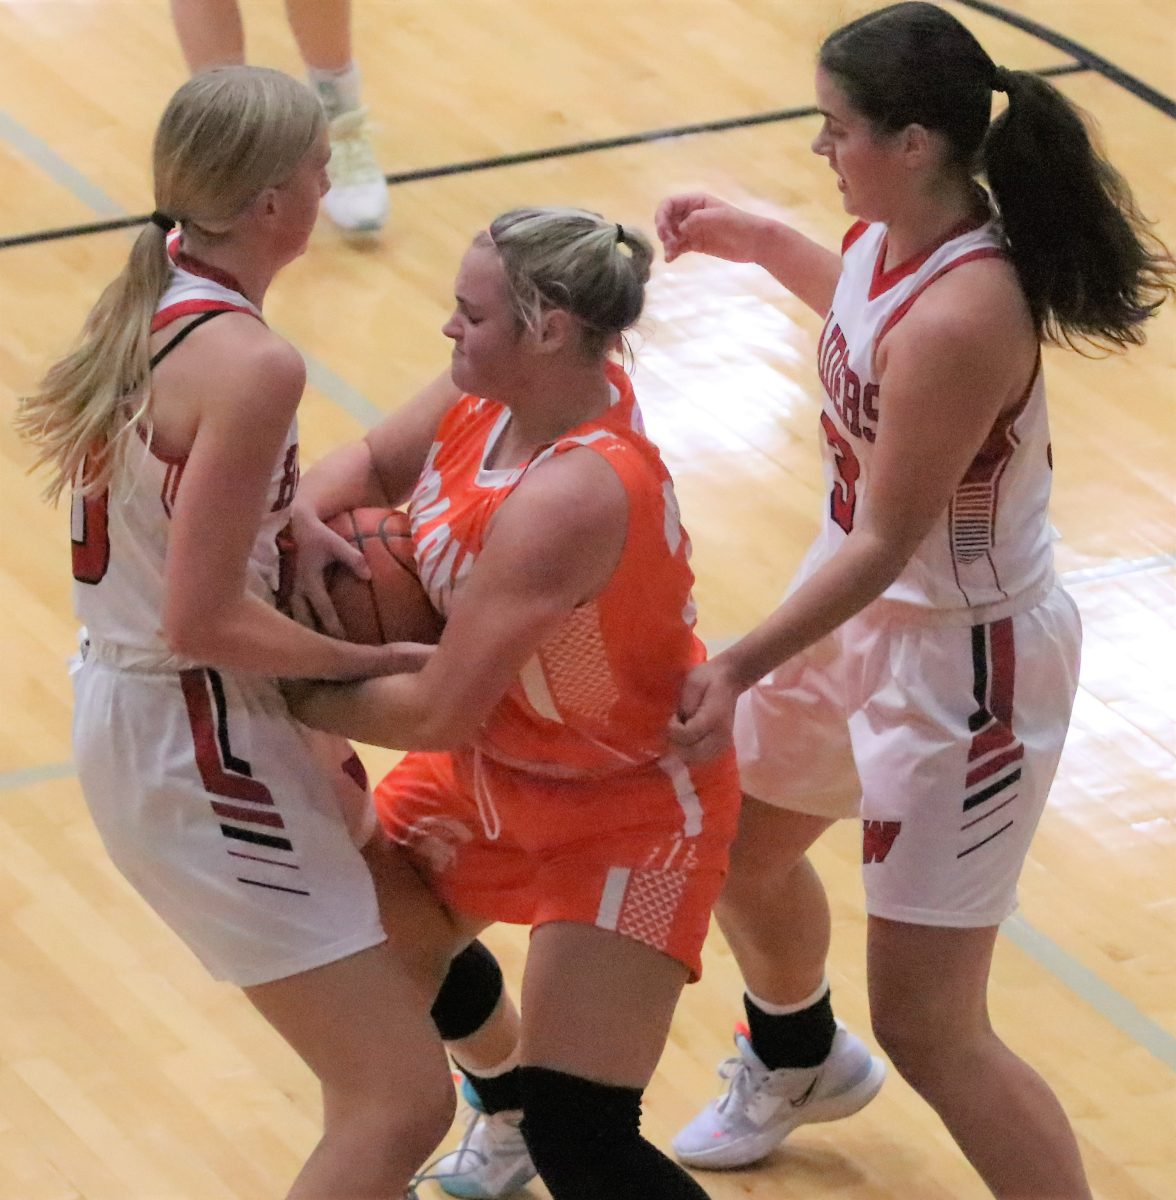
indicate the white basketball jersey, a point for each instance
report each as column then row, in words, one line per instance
column 120, row 535
column 993, row 540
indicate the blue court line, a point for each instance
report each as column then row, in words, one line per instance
column 49, row 162
column 67, row 177
column 350, row 399
column 28, row 776
column 1083, row 982
column 1115, row 1008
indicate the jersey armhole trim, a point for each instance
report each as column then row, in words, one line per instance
column 905, row 307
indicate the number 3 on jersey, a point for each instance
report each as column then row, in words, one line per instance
column 843, row 497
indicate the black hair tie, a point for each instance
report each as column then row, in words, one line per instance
column 162, row 221
column 620, row 233
column 1001, row 79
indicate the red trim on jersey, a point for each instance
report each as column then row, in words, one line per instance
column 1001, row 671
column 90, row 557
column 172, row 460
column 852, row 234
column 251, row 815
column 988, row 468
column 993, row 736
column 212, row 773
column 995, row 742
column 884, row 280
column 171, row 484
column 194, row 266
column 354, row 768
column 902, row 310
column 993, row 456
column 974, row 776
column 188, row 308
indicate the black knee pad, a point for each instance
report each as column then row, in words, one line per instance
column 585, row 1140
column 469, row 995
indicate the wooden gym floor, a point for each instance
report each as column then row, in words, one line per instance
column 125, row 1074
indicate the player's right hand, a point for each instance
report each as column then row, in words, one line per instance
column 318, row 547
column 703, row 223
column 701, row 729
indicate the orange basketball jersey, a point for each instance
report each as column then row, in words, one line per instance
column 596, row 697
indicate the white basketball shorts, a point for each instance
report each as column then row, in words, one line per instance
column 941, row 735
column 240, row 827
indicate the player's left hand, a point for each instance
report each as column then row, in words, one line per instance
column 319, row 547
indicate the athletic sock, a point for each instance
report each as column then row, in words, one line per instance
column 792, row 1035
column 500, row 1088
column 337, row 90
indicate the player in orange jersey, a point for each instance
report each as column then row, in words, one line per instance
column 541, row 788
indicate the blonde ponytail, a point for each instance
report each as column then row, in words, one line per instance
column 97, row 394
column 225, row 136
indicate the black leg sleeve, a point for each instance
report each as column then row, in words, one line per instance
column 585, row 1139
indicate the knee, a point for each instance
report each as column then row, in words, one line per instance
column 397, row 1124
column 924, row 1046
column 424, row 1118
column 380, row 1099
column 898, row 1038
column 753, row 889
column 755, row 873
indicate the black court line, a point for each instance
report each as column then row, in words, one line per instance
column 510, row 160
column 1087, row 58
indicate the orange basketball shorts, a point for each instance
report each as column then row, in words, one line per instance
column 642, row 853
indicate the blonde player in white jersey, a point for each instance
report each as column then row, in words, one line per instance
column 895, row 669
column 174, row 423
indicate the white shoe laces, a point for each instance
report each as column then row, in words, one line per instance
column 742, row 1077
column 497, row 1135
column 352, row 159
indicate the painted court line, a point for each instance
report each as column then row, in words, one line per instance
column 1083, row 982
column 28, row 776
column 49, row 162
column 67, row 177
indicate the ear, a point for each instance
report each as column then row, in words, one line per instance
column 557, row 329
column 266, row 202
column 918, row 145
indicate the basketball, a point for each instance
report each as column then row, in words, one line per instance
column 392, row 606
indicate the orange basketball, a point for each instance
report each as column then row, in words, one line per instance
column 392, row 606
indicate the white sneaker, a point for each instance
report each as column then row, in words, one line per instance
column 492, row 1160
column 762, row 1107
column 358, row 199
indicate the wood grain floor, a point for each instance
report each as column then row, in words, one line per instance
column 125, row 1074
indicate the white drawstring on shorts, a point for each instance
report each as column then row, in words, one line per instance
column 487, row 809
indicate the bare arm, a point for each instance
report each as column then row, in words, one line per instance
column 381, row 468
column 552, row 546
column 947, row 370
column 377, row 471
column 251, row 382
column 711, row 226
